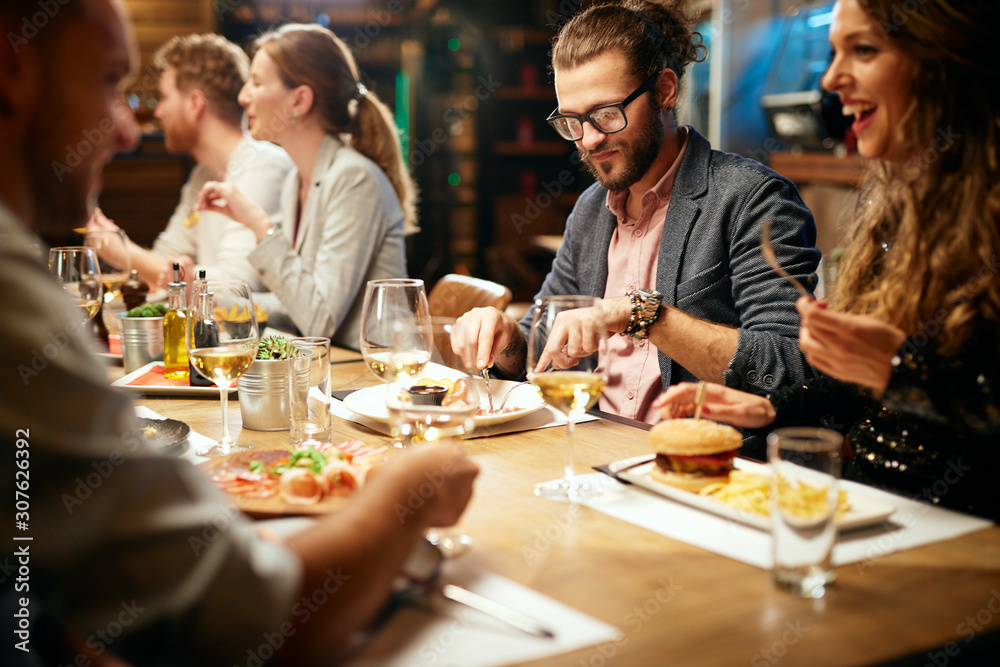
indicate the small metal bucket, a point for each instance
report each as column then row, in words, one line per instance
column 142, row 340
column 263, row 392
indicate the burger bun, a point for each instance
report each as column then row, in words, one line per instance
column 694, row 437
column 685, row 481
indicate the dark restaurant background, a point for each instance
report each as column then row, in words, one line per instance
column 470, row 85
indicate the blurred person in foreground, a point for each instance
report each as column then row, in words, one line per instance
column 200, row 80
column 350, row 200
column 669, row 236
column 910, row 343
column 117, row 531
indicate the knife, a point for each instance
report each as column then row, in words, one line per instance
column 498, row 611
column 617, row 467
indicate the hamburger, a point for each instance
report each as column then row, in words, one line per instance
column 693, row 453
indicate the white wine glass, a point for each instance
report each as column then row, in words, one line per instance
column 568, row 375
column 393, row 306
column 111, row 247
column 222, row 343
column 392, row 345
column 79, row 274
column 440, row 406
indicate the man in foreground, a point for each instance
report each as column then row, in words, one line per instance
column 200, row 79
column 669, row 236
column 117, row 532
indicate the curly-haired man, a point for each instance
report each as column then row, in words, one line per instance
column 200, row 80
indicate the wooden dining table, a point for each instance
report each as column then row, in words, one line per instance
column 675, row 603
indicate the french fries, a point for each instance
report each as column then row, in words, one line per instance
column 237, row 313
column 749, row 492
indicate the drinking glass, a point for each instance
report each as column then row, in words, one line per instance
column 393, row 313
column 570, row 380
column 222, row 343
column 112, row 254
column 424, row 415
column 440, row 406
column 309, row 391
column 79, row 274
column 805, row 465
column 111, row 247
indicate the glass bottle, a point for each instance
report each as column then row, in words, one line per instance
column 175, row 357
column 204, row 333
column 134, row 291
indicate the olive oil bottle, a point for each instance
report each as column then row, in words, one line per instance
column 175, row 357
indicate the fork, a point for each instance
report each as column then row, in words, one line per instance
column 489, row 390
column 767, row 250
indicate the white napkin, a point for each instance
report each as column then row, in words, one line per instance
column 452, row 634
column 913, row 524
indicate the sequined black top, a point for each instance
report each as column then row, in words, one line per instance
column 934, row 436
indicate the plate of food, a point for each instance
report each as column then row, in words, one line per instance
column 114, row 353
column 309, row 480
column 695, row 463
column 370, row 401
column 150, row 380
column 164, row 435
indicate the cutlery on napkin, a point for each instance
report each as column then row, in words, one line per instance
column 420, row 579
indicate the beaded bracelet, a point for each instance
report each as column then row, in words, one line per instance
column 645, row 312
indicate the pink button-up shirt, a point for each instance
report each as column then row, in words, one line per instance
column 632, row 365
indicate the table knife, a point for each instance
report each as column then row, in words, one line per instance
column 498, row 611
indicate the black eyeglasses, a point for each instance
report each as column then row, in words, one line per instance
column 608, row 119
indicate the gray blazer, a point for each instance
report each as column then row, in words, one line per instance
column 710, row 264
column 350, row 232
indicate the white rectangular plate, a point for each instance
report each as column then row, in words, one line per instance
column 126, row 381
column 863, row 512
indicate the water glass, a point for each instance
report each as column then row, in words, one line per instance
column 805, row 466
column 309, row 391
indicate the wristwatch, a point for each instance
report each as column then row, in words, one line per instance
column 645, row 312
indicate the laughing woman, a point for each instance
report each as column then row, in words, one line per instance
column 911, row 345
column 350, row 200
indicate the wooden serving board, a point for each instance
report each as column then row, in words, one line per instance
column 273, row 506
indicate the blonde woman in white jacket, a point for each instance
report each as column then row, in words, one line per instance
column 348, row 204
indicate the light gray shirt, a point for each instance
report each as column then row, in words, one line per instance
column 216, row 243
column 350, row 232
column 121, row 537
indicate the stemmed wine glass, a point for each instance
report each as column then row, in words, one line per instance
column 111, row 247
column 442, row 405
column 568, row 375
column 79, row 274
column 391, row 307
column 222, row 343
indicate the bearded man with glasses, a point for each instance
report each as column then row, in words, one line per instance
column 669, row 236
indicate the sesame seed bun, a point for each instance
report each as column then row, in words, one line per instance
column 693, row 437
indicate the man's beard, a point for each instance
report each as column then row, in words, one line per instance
column 62, row 194
column 181, row 137
column 639, row 156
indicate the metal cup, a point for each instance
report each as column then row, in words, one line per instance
column 142, row 340
column 264, row 395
